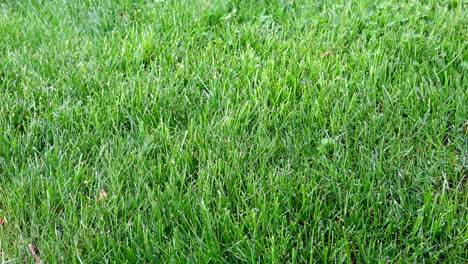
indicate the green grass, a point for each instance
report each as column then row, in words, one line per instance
column 222, row 135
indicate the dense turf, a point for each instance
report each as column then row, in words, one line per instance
column 223, row 132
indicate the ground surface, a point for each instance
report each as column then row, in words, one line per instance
column 225, row 131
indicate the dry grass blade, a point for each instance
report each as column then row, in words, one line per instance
column 326, row 54
column 34, row 252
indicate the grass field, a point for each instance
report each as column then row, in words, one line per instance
column 234, row 131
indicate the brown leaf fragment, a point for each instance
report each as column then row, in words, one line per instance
column 2, row 222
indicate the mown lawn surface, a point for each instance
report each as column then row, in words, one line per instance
column 234, row 131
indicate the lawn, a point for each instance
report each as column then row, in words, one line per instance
column 234, row 131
